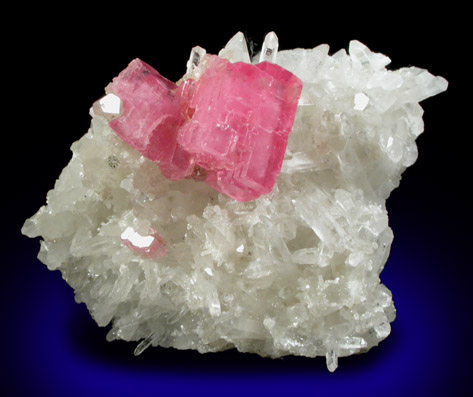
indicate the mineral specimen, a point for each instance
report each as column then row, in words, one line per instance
column 175, row 263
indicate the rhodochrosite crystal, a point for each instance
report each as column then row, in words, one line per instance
column 229, row 127
column 191, row 216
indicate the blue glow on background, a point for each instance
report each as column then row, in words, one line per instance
column 53, row 347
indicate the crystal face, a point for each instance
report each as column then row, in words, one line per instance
column 177, row 263
column 230, row 126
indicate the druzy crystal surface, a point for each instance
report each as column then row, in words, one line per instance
column 179, row 262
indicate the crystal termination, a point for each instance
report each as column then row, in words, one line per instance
column 293, row 272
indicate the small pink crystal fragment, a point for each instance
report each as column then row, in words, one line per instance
column 228, row 128
column 151, row 245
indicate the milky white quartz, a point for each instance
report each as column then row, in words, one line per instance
column 292, row 272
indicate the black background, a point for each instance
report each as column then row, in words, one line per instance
column 56, row 62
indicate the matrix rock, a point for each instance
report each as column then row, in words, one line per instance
column 295, row 271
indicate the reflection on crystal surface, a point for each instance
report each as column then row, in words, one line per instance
column 108, row 107
column 295, row 271
column 152, row 245
column 361, row 101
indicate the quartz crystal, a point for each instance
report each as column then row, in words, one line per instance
column 192, row 216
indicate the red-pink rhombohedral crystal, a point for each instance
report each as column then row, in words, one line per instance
column 228, row 128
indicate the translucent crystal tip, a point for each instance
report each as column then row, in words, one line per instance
column 270, row 48
column 143, row 345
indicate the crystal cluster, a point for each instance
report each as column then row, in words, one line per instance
column 176, row 263
column 226, row 123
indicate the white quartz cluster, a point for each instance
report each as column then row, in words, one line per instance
column 294, row 272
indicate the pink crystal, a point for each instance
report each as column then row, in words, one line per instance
column 150, row 117
column 151, row 245
column 229, row 128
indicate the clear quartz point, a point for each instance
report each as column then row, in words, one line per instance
column 236, row 50
column 332, row 360
column 143, row 345
column 270, row 48
column 194, row 61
